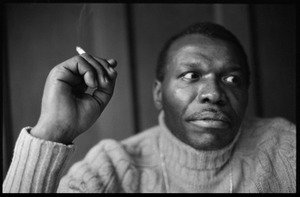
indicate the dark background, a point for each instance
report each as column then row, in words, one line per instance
column 39, row 36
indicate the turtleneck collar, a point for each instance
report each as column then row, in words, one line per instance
column 178, row 153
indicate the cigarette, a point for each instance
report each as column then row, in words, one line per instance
column 80, row 50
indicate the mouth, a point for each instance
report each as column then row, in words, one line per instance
column 210, row 119
column 210, row 123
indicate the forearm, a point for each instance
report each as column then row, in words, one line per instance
column 37, row 165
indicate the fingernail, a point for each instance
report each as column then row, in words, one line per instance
column 112, row 62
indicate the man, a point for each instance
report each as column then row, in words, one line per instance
column 202, row 142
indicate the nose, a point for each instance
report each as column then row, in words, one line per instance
column 211, row 92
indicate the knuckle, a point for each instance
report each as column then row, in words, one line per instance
column 55, row 69
column 77, row 58
column 103, row 62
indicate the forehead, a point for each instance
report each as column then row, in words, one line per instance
column 198, row 47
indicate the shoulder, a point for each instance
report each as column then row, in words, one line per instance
column 142, row 142
column 106, row 164
column 274, row 133
column 267, row 148
column 97, row 171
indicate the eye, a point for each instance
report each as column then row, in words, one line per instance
column 232, row 79
column 190, row 76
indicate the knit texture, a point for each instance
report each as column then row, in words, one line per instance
column 36, row 165
column 261, row 159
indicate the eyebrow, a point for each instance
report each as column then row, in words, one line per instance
column 236, row 68
column 231, row 68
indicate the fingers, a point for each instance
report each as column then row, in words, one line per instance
column 74, row 72
column 106, row 77
column 94, row 71
column 106, row 73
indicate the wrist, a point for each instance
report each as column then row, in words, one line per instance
column 49, row 133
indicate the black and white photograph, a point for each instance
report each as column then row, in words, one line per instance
column 148, row 97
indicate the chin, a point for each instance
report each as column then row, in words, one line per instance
column 209, row 139
column 204, row 141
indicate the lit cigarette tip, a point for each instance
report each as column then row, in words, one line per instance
column 80, row 50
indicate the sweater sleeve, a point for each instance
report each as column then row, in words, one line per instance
column 36, row 165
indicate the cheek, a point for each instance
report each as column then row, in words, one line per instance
column 182, row 95
column 239, row 101
column 178, row 98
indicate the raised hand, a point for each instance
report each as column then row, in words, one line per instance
column 67, row 111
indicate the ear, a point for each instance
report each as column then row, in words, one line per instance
column 157, row 94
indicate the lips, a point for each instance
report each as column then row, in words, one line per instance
column 210, row 118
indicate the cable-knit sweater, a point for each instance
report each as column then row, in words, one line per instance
column 261, row 158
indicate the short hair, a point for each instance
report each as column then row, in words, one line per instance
column 208, row 29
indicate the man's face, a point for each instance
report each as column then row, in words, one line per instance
column 204, row 92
